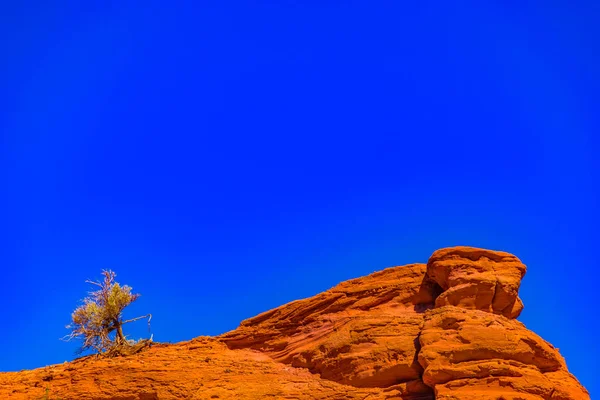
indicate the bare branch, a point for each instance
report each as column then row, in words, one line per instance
column 149, row 316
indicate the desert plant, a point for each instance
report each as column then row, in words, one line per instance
column 98, row 321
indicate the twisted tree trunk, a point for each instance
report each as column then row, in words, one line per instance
column 120, row 339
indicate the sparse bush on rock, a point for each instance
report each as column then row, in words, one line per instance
column 443, row 330
column 98, row 321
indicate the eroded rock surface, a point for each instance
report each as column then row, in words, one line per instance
column 362, row 332
column 466, row 353
column 441, row 330
column 478, row 279
column 201, row 369
column 448, row 325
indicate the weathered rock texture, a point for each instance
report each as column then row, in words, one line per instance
column 478, row 279
column 441, row 330
column 478, row 355
column 362, row 333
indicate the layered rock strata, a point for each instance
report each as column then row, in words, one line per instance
column 441, row 330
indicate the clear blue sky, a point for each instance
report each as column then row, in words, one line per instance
column 227, row 158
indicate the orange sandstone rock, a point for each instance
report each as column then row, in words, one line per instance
column 362, row 332
column 478, row 279
column 441, row 330
column 467, row 352
column 200, row 369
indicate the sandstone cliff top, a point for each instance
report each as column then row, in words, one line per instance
column 441, row 330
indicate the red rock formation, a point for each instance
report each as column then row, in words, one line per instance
column 478, row 279
column 362, row 332
column 445, row 330
column 467, row 353
column 196, row 370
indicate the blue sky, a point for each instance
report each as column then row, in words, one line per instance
column 226, row 158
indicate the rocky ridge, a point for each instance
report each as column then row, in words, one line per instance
column 441, row 330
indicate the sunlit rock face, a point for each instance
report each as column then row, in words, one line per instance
column 441, row 330
column 445, row 329
column 478, row 279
